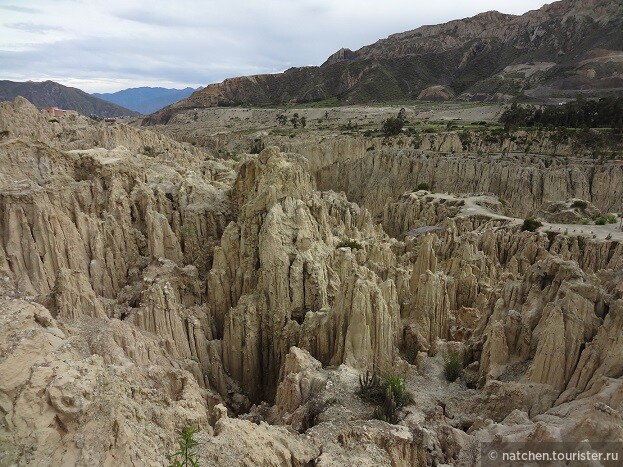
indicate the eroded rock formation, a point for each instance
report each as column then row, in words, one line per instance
column 146, row 286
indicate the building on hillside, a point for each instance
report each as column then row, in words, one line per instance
column 55, row 111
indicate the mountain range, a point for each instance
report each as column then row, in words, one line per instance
column 563, row 48
column 145, row 100
column 52, row 94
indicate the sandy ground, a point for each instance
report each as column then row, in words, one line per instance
column 476, row 206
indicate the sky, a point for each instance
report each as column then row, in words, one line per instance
column 109, row 45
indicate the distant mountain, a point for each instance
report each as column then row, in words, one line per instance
column 146, row 100
column 51, row 94
column 563, row 48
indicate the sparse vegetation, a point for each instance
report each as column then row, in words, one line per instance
column 452, row 365
column 582, row 221
column 389, row 394
column 393, row 125
column 257, row 146
column 531, row 225
column 396, row 385
column 185, row 456
column 422, row 186
column 605, row 219
column 581, row 113
column 349, row 243
column 579, row 204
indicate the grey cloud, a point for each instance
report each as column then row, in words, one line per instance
column 211, row 43
column 19, row 9
column 153, row 18
column 32, row 27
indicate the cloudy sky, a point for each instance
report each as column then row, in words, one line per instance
column 108, row 45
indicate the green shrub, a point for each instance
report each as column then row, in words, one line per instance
column 392, row 126
column 423, row 186
column 184, row 456
column 605, row 219
column 389, row 394
column 452, row 365
column 396, row 385
column 531, row 225
column 579, row 204
column 352, row 244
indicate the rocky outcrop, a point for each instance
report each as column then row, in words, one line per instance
column 75, row 297
column 523, row 182
column 55, row 391
column 302, row 380
column 117, row 211
column 276, row 264
column 548, row 319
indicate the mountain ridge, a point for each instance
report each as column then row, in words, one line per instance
column 145, row 99
column 568, row 46
column 52, row 94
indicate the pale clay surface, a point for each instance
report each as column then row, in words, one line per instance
column 146, row 286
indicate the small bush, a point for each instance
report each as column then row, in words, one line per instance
column 184, row 456
column 396, row 385
column 257, row 146
column 389, row 394
column 605, row 219
column 531, row 225
column 392, row 126
column 452, row 365
column 579, row 204
column 352, row 244
column 423, row 186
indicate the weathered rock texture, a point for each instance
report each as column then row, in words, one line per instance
column 145, row 287
column 524, row 182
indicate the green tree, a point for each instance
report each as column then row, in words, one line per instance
column 393, row 125
column 295, row 120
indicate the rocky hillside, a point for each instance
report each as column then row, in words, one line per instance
column 565, row 47
column 51, row 94
column 146, row 286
